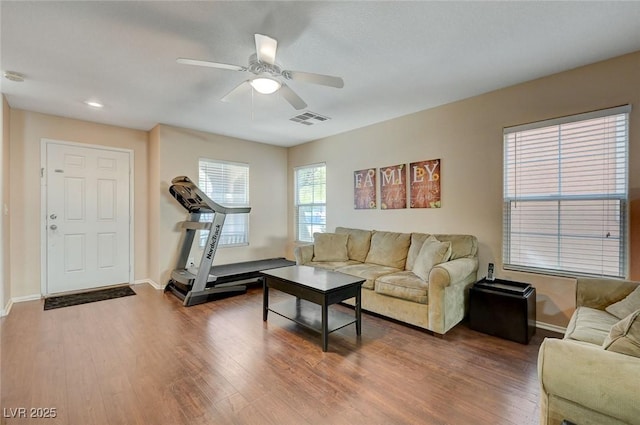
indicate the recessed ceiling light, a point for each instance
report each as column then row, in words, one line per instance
column 14, row 76
column 93, row 103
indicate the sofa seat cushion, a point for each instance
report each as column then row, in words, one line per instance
column 389, row 249
column 590, row 325
column 370, row 272
column 405, row 285
column 331, row 265
column 624, row 336
column 358, row 243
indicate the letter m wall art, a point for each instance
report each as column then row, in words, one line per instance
column 424, row 184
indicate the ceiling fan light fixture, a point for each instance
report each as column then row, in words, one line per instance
column 265, row 85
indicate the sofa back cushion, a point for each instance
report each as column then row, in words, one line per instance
column 624, row 336
column 389, row 249
column 330, row 247
column 462, row 246
column 602, row 292
column 358, row 243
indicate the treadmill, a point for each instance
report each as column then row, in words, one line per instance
column 207, row 282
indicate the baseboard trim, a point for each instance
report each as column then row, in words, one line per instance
column 14, row 300
column 150, row 282
column 32, row 297
column 5, row 311
column 549, row 327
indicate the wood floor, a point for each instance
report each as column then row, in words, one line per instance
column 146, row 359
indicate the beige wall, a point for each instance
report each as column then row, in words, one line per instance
column 27, row 130
column 5, row 264
column 467, row 137
column 176, row 152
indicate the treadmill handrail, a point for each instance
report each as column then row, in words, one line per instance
column 202, row 198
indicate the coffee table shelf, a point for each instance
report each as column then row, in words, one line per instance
column 309, row 315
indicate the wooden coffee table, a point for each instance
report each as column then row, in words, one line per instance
column 315, row 290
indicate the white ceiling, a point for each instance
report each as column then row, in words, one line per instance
column 395, row 57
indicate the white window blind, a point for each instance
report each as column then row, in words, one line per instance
column 310, row 201
column 227, row 183
column 565, row 195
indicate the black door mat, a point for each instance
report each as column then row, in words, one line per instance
column 87, row 297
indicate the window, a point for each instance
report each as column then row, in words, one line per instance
column 565, row 195
column 310, row 201
column 226, row 183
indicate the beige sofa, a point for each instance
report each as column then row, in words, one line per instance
column 415, row 278
column 592, row 376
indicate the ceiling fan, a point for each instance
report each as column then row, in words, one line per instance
column 267, row 75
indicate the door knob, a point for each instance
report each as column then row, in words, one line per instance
column 53, row 216
column 53, row 227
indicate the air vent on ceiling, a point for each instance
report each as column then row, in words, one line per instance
column 309, row 118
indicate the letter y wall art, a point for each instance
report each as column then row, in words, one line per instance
column 423, row 179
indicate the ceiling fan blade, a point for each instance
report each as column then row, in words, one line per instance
column 197, row 62
column 308, row 77
column 291, row 97
column 238, row 90
column 266, row 48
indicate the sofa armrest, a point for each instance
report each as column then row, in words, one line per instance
column 453, row 272
column 449, row 284
column 587, row 376
column 601, row 292
column 303, row 254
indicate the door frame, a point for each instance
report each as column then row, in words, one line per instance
column 43, row 204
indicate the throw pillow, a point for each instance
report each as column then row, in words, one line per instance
column 433, row 252
column 330, row 247
column 417, row 240
column 624, row 336
column 626, row 306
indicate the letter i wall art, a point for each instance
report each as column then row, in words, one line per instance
column 423, row 179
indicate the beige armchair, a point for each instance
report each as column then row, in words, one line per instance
column 583, row 378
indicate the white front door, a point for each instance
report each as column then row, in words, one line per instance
column 87, row 217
